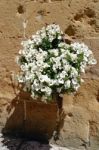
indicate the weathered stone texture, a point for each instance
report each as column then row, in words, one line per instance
column 79, row 20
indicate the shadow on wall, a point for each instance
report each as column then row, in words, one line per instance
column 30, row 119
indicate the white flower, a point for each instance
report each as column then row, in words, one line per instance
column 67, row 68
column 48, row 91
column 21, row 79
column 60, row 81
column 47, row 67
column 73, row 57
column 29, row 76
column 62, row 74
column 67, row 84
column 59, row 90
column 82, row 68
column 55, row 52
column 52, row 82
column 74, row 72
column 74, row 81
column 23, row 67
column 92, row 62
column 44, row 78
column 59, row 37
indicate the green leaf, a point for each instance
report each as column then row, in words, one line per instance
column 46, row 44
column 68, row 58
column 80, row 57
column 23, row 60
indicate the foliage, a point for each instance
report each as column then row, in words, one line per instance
column 49, row 65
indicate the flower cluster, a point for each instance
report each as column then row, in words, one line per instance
column 49, row 65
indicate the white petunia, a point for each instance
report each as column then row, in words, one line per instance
column 47, row 67
column 74, row 72
column 73, row 57
column 60, row 81
column 67, row 84
column 44, row 78
column 55, row 52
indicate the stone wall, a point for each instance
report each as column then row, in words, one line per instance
column 80, row 20
column 81, row 111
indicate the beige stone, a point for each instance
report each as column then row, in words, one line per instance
column 81, row 111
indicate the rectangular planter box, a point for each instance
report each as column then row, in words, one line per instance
column 34, row 119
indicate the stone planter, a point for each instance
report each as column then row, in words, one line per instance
column 31, row 118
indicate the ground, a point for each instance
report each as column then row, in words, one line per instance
column 9, row 143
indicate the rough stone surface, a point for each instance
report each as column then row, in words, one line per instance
column 80, row 20
column 81, row 120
